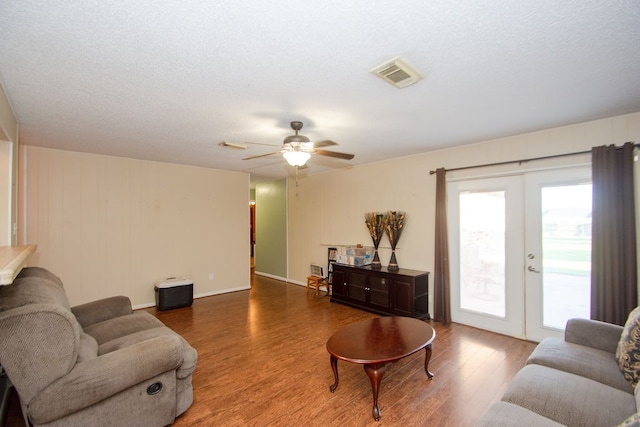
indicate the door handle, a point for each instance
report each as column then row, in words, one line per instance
column 533, row 269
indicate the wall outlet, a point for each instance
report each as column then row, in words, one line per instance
column 210, row 276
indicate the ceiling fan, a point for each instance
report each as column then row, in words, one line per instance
column 297, row 149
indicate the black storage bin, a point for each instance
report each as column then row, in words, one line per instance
column 174, row 293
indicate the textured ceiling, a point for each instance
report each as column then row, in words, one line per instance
column 169, row 80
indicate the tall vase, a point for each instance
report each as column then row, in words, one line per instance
column 393, row 263
column 375, row 263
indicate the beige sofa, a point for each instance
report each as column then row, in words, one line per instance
column 93, row 364
column 572, row 382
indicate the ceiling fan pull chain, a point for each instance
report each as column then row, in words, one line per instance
column 297, row 181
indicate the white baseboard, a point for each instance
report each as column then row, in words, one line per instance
column 224, row 291
column 271, row 276
column 282, row 279
column 196, row 296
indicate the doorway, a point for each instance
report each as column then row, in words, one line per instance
column 252, row 233
column 521, row 251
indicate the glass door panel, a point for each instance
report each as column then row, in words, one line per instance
column 566, row 250
column 485, row 235
column 559, row 250
column 482, row 252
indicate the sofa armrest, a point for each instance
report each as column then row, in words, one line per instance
column 102, row 309
column 97, row 379
column 593, row 333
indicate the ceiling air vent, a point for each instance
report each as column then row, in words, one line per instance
column 397, row 72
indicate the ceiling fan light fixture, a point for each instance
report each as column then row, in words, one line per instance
column 296, row 158
column 296, row 138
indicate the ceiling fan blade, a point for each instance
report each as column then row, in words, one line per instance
column 261, row 155
column 335, row 154
column 325, row 143
column 262, row 143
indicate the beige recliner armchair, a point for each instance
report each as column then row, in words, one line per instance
column 93, row 364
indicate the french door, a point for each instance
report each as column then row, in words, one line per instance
column 520, row 251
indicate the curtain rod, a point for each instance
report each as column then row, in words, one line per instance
column 524, row 160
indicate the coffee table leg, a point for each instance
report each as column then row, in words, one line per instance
column 427, row 357
column 334, row 367
column 375, row 373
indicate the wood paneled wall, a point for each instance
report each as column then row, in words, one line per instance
column 113, row 226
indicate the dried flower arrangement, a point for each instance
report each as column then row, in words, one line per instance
column 376, row 223
column 394, row 227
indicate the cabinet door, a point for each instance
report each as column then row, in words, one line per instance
column 339, row 282
column 379, row 291
column 357, row 284
column 421, row 297
column 403, row 296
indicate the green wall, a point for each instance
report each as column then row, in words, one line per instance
column 271, row 228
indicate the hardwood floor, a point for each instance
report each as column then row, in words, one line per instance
column 263, row 362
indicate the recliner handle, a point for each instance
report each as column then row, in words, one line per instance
column 154, row 388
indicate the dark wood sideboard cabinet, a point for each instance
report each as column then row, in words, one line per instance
column 398, row 293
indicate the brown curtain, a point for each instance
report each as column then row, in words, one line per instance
column 613, row 251
column 441, row 298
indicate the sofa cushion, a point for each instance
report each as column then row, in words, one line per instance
column 593, row 333
column 40, row 272
column 189, row 354
column 569, row 399
column 628, row 351
column 505, row 414
column 88, row 348
column 100, row 310
column 117, row 327
column 577, row 359
column 32, row 290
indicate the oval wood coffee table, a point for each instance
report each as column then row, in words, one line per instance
column 376, row 342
